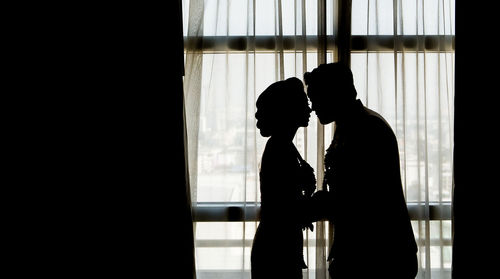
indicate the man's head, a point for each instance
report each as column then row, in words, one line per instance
column 330, row 88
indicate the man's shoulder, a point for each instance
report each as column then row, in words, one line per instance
column 376, row 120
column 377, row 126
column 374, row 117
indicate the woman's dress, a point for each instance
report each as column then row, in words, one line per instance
column 277, row 250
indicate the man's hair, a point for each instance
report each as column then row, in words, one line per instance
column 337, row 74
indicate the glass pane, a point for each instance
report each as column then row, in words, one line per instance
column 227, row 129
column 424, row 17
column 418, row 104
column 230, row 147
column 312, row 17
column 240, row 21
column 214, row 18
column 427, row 17
column 265, row 17
column 434, row 252
column 372, row 17
column 185, row 17
column 223, row 249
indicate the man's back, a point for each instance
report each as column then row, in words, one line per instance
column 371, row 224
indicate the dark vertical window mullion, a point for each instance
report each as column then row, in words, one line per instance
column 322, row 32
column 344, row 31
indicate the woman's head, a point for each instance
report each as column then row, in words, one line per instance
column 281, row 107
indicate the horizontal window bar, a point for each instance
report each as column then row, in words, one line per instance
column 434, row 43
column 226, row 212
column 220, row 243
column 238, row 212
column 383, row 43
column 224, row 243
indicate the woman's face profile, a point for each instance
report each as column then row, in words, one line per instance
column 305, row 113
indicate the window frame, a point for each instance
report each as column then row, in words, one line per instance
column 321, row 43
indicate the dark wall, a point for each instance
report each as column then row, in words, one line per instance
column 476, row 75
column 129, row 159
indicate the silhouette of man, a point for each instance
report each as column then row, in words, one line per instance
column 373, row 237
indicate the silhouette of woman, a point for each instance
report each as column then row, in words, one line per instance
column 286, row 183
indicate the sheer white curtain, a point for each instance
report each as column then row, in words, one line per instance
column 406, row 73
column 234, row 50
column 402, row 61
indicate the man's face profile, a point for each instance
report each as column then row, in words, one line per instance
column 321, row 105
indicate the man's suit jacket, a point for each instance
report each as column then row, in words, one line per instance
column 365, row 202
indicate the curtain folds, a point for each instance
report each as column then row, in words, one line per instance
column 412, row 86
column 187, row 253
column 402, row 58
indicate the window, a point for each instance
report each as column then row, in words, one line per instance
column 402, row 58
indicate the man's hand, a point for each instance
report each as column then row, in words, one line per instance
column 321, row 205
column 321, row 196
